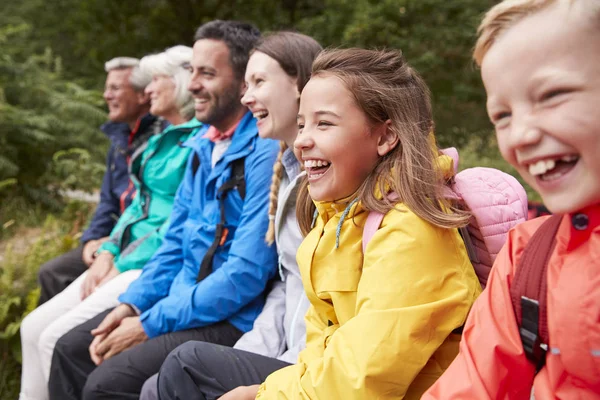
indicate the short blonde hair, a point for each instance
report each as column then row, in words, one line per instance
column 507, row 13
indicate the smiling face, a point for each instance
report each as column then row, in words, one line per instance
column 162, row 96
column 338, row 147
column 124, row 103
column 215, row 89
column 542, row 78
column 272, row 96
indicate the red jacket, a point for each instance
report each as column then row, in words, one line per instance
column 491, row 363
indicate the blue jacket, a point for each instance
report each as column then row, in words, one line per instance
column 116, row 192
column 166, row 293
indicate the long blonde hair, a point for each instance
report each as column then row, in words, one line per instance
column 295, row 53
column 385, row 87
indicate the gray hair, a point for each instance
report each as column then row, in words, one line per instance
column 173, row 62
column 137, row 79
column 121, row 63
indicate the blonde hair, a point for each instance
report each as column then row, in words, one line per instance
column 385, row 87
column 295, row 53
column 506, row 14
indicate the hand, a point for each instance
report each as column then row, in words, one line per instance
column 110, row 322
column 128, row 334
column 111, row 274
column 90, row 249
column 97, row 271
column 241, row 393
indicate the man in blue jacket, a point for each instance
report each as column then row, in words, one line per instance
column 129, row 126
column 206, row 281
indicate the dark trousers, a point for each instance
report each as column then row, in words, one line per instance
column 73, row 375
column 58, row 273
column 204, row 371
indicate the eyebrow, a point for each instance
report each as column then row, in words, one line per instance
column 324, row 112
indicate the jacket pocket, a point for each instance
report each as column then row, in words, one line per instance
column 339, row 279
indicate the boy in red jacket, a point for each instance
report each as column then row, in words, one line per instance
column 540, row 64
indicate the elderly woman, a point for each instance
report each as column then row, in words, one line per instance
column 156, row 171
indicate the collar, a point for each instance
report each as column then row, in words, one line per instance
column 290, row 164
column 581, row 225
column 215, row 135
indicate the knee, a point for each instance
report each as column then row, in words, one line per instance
column 98, row 384
column 180, row 358
column 31, row 329
column 68, row 346
column 46, row 272
column 150, row 389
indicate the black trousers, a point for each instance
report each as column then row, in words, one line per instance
column 73, row 374
column 58, row 273
column 204, row 371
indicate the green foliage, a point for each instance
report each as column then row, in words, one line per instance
column 74, row 169
column 40, row 114
column 18, row 285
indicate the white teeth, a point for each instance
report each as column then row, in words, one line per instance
column 315, row 163
column 569, row 158
column 260, row 114
column 543, row 166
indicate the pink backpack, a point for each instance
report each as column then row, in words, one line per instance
column 497, row 201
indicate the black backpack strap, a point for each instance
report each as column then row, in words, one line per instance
column 195, row 163
column 529, row 291
column 238, row 181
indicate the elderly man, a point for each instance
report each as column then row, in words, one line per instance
column 129, row 126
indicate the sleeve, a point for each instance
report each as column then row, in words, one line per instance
column 162, row 268
column 491, row 363
column 137, row 254
column 242, row 278
column 267, row 336
column 404, row 313
column 108, row 209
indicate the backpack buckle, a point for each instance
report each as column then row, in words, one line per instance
column 535, row 350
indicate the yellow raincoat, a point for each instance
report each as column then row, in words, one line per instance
column 379, row 326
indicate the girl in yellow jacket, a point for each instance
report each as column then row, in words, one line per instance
column 380, row 324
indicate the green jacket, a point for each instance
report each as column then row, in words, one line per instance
column 156, row 170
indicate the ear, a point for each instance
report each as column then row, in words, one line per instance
column 388, row 140
column 296, row 91
column 142, row 98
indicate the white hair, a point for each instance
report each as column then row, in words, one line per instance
column 173, row 62
column 137, row 78
column 121, row 63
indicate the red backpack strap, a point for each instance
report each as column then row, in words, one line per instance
column 529, row 291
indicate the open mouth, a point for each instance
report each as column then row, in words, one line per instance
column 553, row 168
column 259, row 115
column 316, row 168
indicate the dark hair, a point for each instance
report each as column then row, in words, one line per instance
column 240, row 38
column 293, row 51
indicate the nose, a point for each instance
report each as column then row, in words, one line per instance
column 248, row 97
column 149, row 89
column 107, row 94
column 195, row 84
column 303, row 141
column 524, row 131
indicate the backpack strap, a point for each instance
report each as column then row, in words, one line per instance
column 529, row 291
column 195, row 163
column 373, row 222
column 238, row 181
